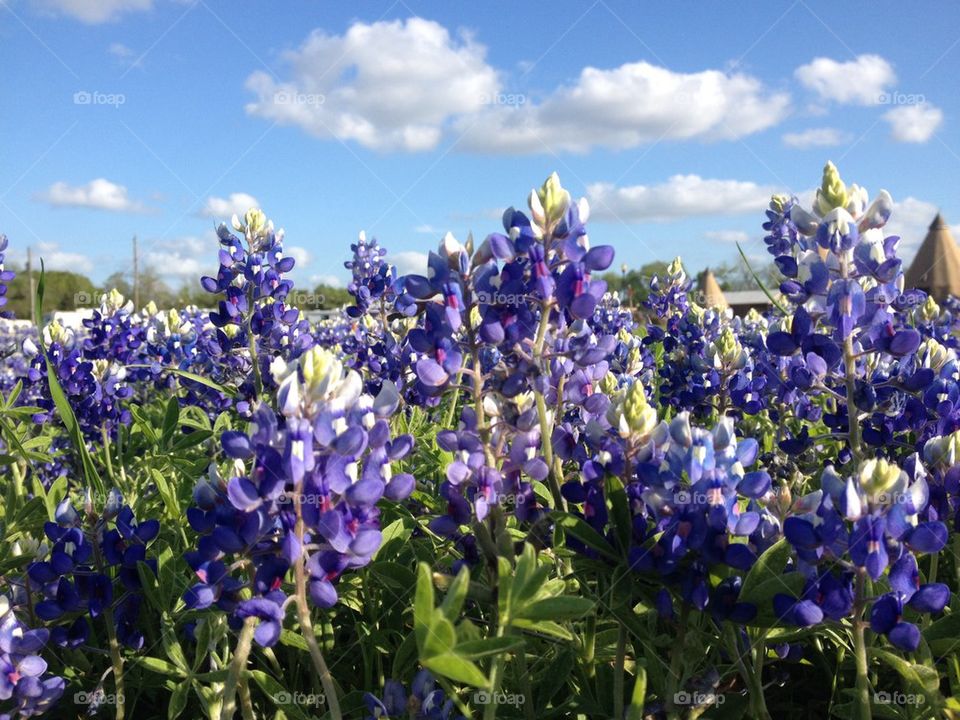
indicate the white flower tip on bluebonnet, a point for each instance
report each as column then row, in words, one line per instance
column 30, row 348
column 583, row 209
column 450, row 247
column 878, row 213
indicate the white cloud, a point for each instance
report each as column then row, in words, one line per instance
column 225, row 208
column 862, row 81
column 634, row 104
column 328, row 280
column 100, row 194
column 93, row 12
column 183, row 259
column 387, row 85
column 54, row 258
column 815, row 137
column 426, row 230
column 299, row 254
column 679, row 197
column 910, row 220
column 914, row 123
column 728, row 236
column 409, row 262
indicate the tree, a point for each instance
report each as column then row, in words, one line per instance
column 63, row 290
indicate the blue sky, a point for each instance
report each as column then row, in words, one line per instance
column 409, row 119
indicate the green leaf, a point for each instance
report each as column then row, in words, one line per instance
column 278, row 694
column 160, row 666
column 229, row 392
column 759, row 282
column 769, row 565
column 579, row 528
column 453, row 603
column 397, row 576
column 294, row 640
column 920, row 677
column 638, row 697
column 441, row 637
column 565, row 607
column 423, row 606
column 544, row 627
column 619, row 511
column 457, row 668
column 475, row 649
column 171, row 416
column 178, row 701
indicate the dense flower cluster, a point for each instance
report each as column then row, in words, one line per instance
column 318, row 465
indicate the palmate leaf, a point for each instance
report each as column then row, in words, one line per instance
column 437, row 636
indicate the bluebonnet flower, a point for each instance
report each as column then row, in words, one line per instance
column 886, row 615
column 85, row 557
column 5, row 276
column 425, row 701
column 328, row 450
column 26, row 688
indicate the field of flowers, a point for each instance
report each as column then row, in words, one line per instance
column 492, row 491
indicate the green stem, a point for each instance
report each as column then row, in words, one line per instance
column 758, row 706
column 106, row 453
column 237, row 665
column 303, row 615
column 246, row 701
column 618, row 671
column 116, row 658
column 862, row 702
column 496, row 677
column 850, row 370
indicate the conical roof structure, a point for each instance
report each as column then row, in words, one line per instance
column 710, row 293
column 936, row 268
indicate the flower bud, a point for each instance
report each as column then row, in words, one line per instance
column 726, row 351
column 630, row 413
column 550, row 203
column 832, row 193
column 879, row 478
column 113, row 505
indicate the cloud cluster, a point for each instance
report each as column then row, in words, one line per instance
column 222, row 209
column 862, row 81
column 93, row 12
column 680, row 196
column 815, row 138
column 386, row 85
column 913, row 123
column 401, row 85
column 100, row 194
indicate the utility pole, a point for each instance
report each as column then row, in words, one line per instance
column 33, row 290
column 136, row 276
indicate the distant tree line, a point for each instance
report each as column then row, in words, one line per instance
column 65, row 290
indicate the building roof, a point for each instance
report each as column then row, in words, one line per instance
column 936, row 268
column 756, row 298
column 710, row 293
